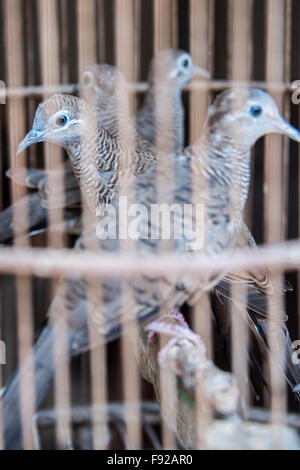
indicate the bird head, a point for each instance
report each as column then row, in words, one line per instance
column 245, row 115
column 105, row 89
column 60, row 119
column 101, row 81
column 176, row 66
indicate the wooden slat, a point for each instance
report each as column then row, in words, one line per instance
column 201, row 33
column 64, row 46
column 141, row 87
column 274, row 216
column 127, row 25
column 16, row 123
column 86, row 17
column 240, row 50
column 165, row 24
column 86, row 14
column 31, row 69
column 50, row 64
column 101, row 31
column 240, row 66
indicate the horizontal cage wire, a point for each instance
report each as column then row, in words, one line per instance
column 149, row 224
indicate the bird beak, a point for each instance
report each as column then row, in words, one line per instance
column 283, row 127
column 199, row 72
column 32, row 137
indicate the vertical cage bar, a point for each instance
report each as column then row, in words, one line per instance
column 201, row 33
column 64, row 47
column 240, row 44
column 50, row 64
column 31, row 25
column 16, row 123
column 274, row 210
column 240, row 59
column 240, row 341
column 165, row 24
column 86, row 17
column 127, row 25
column 101, row 43
column 86, row 12
column 201, row 37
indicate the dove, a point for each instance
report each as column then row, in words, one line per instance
column 106, row 91
column 70, row 122
column 104, row 88
column 258, row 282
column 170, row 70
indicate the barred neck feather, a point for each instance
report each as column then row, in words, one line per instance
column 112, row 108
column 225, row 163
column 149, row 118
column 97, row 160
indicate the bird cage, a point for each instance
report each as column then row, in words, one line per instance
column 190, row 374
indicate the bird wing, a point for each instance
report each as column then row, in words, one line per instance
column 36, row 213
column 259, row 278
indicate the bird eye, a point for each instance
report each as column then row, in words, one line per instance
column 61, row 121
column 185, row 63
column 255, row 111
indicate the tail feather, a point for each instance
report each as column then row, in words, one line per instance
column 290, row 368
column 257, row 309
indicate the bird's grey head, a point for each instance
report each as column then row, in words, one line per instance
column 174, row 65
column 245, row 115
column 60, row 119
column 102, row 85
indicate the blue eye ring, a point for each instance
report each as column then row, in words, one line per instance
column 255, row 110
column 61, row 121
